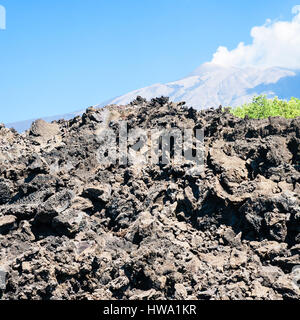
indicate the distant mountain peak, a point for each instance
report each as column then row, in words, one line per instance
column 208, row 67
column 210, row 85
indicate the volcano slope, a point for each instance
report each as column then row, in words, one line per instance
column 72, row 227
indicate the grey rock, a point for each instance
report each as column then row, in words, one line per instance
column 74, row 227
column 69, row 222
column 6, row 223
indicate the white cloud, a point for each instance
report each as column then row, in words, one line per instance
column 274, row 44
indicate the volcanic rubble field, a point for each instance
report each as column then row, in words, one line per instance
column 72, row 227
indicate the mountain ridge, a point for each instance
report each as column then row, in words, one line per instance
column 209, row 85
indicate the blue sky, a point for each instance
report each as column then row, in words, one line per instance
column 60, row 56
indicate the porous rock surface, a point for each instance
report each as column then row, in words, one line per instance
column 72, row 227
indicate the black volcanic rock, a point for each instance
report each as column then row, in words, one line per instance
column 4, row 193
column 75, row 225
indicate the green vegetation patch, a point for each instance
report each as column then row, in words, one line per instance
column 261, row 107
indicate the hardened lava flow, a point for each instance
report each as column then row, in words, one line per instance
column 73, row 227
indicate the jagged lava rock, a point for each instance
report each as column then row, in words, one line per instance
column 74, row 227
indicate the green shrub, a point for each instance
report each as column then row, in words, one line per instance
column 261, row 107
